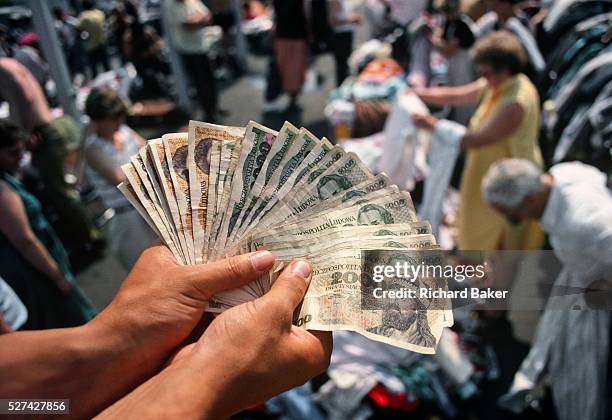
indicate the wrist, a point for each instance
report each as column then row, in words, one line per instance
column 203, row 371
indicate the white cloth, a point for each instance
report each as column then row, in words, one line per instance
column 186, row 41
column 12, row 309
column 572, row 342
column 104, row 150
column 450, row 358
column 404, row 152
column 444, row 148
column 357, row 365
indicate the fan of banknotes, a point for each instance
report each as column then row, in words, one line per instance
column 217, row 191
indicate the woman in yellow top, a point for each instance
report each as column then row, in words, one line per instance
column 505, row 124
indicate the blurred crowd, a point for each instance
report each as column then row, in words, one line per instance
column 494, row 113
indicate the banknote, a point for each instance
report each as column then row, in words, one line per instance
column 232, row 155
column 343, row 175
column 317, row 254
column 202, row 142
column 138, row 163
column 274, row 214
column 176, row 149
column 320, row 185
column 212, row 196
column 339, row 299
column 286, row 136
column 162, row 171
column 336, row 232
column 372, row 184
column 255, row 148
column 305, row 153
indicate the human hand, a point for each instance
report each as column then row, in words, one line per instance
column 248, row 354
column 161, row 302
column 425, row 121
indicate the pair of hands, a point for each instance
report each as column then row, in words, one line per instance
column 216, row 366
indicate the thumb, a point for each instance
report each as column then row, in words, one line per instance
column 228, row 273
column 289, row 289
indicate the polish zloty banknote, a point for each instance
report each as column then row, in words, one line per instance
column 139, row 163
column 340, row 299
column 306, row 152
column 162, row 171
column 176, row 149
column 344, row 175
column 255, row 148
column 337, row 232
column 286, row 136
column 203, row 140
column 277, row 210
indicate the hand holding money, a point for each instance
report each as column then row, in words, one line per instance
column 220, row 191
column 247, row 354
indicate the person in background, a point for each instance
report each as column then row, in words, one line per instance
column 90, row 24
column 28, row 54
column 65, row 25
column 572, row 342
column 119, row 22
column 453, row 41
column 187, row 20
column 223, row 16
column 54, row 144
column 342, row 19
column 143, row 47
column 291, row 45
column 33, row 261
column 505, row 124
column 110, row 145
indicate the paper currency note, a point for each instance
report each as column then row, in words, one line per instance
column 296, row 156
column 317, row 254
column 340, row 299
column 230, row 153
column 286, row 136
column 176, row 149
column 338, row 232
column 255, row 148
column 202, row 139
column 162, row 170
column 273, row 214
column 376, row 183
column 344, row 175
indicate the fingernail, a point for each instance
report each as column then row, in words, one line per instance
column 262, row 260
column 301, row 268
